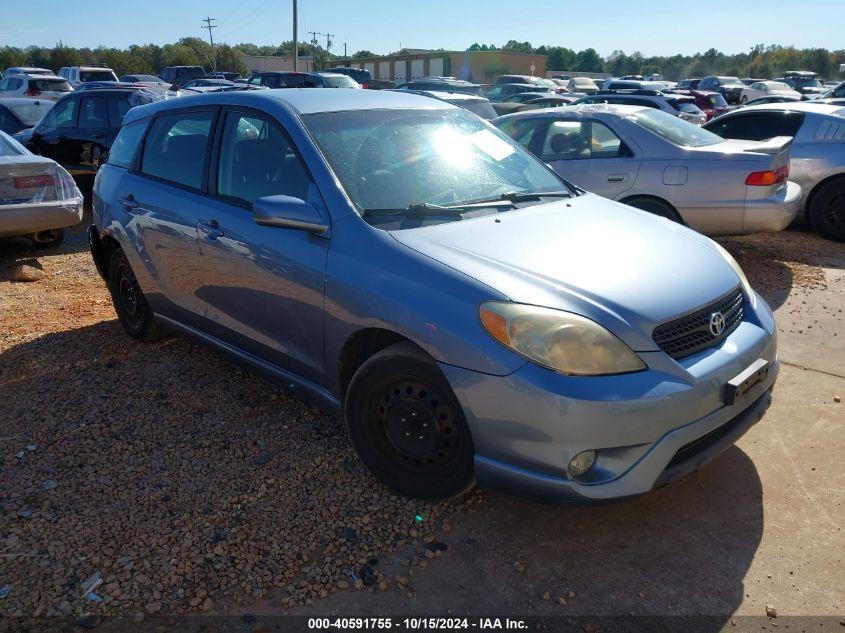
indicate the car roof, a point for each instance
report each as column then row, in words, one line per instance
column 799, row 106
column 27, row 101
column 322, row 74
column 580, row 111
column 300, row 100
column 447, row 95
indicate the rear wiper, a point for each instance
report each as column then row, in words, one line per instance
column 426, row 208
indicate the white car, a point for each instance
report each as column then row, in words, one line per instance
column 761, row 89
column 47, row 87
column 584, row 85
column 80, row 74
column 659, row 163
column 27, row 70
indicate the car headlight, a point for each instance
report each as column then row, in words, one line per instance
column 562, row 341
column 746, row 286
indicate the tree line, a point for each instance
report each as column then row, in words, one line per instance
column 762, row 61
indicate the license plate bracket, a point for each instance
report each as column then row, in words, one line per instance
column 741, row 384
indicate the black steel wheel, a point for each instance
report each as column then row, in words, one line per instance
column 827, row 210
column 131, row 306
column 407, row 425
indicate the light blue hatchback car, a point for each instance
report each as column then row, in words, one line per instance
column 408, row 267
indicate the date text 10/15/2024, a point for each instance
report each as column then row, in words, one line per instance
column 416, row 624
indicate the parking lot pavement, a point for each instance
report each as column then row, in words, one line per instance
column 193, row 487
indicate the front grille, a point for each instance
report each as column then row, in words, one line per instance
column 691, row 333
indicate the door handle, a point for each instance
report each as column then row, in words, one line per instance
column 211, row 229
column 616, row 178
column 129, row 202
column 97, row 135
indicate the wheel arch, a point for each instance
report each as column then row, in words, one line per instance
column 362, row 345
column 646, row 196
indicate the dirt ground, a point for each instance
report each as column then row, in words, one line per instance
column 192, row 487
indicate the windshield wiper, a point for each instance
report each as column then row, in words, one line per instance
column 525, row 196
column 426, row 208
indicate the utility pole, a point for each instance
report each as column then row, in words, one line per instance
column 295, row 41
column 209, row 26
column 314, row 35
column 329, row 37
column 344, row 50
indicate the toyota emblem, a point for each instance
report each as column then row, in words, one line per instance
column 717, row 323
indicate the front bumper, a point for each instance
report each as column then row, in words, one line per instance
column 647, row 428
column 23, row 219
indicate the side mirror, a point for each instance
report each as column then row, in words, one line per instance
column 289, row 213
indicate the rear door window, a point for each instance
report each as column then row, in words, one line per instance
column 176, row 148
column 93, row 113
column 577, row 140
column 521, row 129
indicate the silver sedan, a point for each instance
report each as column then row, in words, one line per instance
column 38, row 198
column 817, row 153
column 659, row 163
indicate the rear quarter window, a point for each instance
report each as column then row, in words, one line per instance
column 125, row 146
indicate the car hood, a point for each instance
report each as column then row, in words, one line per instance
column 622, row 267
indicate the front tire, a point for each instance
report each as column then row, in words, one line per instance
column 827, row 210
column 131, row 306
column 407, row 425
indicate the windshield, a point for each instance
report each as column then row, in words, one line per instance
column 50, row 85
column 10, row 147
column 717, row 101
column 96, row 75
column 30, row 113
column 340, row 82
column 806, row 82
column 730, row 80
column 393, row 159
column 674, row 129
column 481, row 108
column 688, row 107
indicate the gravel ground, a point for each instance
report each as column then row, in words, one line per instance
column 189, row 485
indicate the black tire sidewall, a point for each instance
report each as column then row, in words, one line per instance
column 817, row 210
column 655, row 207
column 388, row 366
column 144, row 329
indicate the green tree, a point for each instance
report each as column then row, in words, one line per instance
column 589, row 61
column 363, row 53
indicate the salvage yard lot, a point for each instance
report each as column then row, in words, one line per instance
column 192, row 486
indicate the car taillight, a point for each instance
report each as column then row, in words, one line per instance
column 32, row 92
column 766, row 178
column 25, row 182
column 365, row 85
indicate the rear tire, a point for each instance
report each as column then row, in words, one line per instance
column 657, row 207
column 827, row 210
column 131, row 306
column 48, row 239
column 407, row 425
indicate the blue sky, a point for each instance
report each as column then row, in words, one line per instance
column 654, row 27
